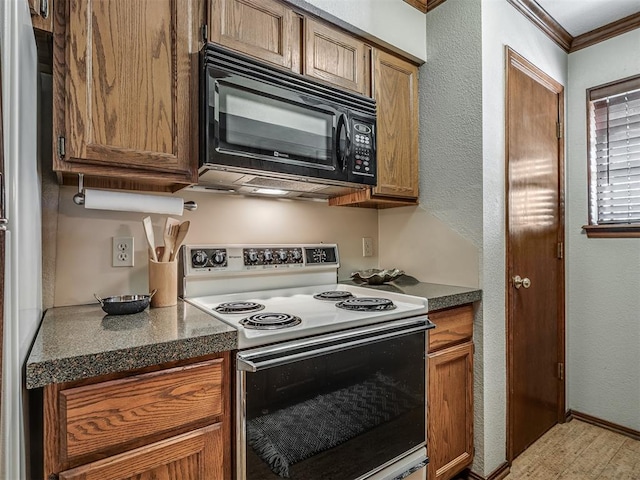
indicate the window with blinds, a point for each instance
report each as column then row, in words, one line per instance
column 614, row 154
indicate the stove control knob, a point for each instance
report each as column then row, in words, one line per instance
column 282, row 255
column 199, row 259
column 251, row 256
column 219, row 257
column 297, row 255
column 268, row 255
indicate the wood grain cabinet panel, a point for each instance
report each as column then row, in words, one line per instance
column 41, row 14
column 450, row 411
column 396, row 92
column 125, row 96
column 264, row 29
column 452, row 327
column 195, row 455
column 395, row 88
column 99, row 417
column 450, row 392
column 336, row 57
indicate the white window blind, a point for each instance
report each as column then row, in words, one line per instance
column 614, row 153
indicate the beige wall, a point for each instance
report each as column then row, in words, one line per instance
column 414, row 240
column 83, row 251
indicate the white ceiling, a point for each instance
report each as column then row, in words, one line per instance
column 581, row 16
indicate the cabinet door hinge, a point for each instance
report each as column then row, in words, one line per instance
column 560, row 250
column 44, row 8
column 205, row 33
column 559, row 129
column 560, row 371
column 61, row 148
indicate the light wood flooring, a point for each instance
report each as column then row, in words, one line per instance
column 579, row 451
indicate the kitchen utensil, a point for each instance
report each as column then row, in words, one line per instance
column 375, row 276
column 148, row 231
column 163, row 276
column 171, row 226
column 182, row 233
column 125, row 304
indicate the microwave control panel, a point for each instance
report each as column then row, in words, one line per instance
column 364, row 157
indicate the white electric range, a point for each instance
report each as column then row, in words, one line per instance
column 309, row 347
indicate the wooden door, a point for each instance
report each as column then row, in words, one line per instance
column 450, row 411
column 196, row 455
column 265, row 29
column 395, row 88
column 124, row 91
column 336, row 57
column 535, row 232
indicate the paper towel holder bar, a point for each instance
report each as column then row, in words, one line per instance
column 78, row 198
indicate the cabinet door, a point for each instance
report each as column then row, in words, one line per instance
column 264, row 29
column 197, row 455
column 335, row 57
column 41, row 14
column 125, row 97
column 450, row 411
column 395, row 88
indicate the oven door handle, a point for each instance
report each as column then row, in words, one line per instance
column 274, row 356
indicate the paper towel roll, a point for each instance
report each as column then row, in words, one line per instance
column 132, row 202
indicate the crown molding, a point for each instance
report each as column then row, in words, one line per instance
column 545, row 22
column 601, row 34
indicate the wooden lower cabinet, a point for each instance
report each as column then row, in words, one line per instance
column 164, row 422
column 450, row 393
column 193, row 456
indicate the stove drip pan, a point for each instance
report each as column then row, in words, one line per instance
column 270, row 321
column 239, row 307
column 333, row 295
column 366, row 304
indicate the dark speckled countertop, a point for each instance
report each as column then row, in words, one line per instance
column 438, row 296
column 82, row 341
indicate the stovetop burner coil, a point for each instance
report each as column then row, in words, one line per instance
column 366, row 304
column 270, row 321
column 239, row 307
column 333, row 295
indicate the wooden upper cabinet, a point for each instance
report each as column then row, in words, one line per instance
column 126, row 89
column 395, row 88
column 265, row 29
column 336, row 57
column 41, row 14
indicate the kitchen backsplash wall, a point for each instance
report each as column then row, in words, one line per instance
column 84, row 237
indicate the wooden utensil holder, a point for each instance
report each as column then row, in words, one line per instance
column 163, row 276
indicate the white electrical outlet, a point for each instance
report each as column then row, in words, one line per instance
column 367, row 247
column 122, row 255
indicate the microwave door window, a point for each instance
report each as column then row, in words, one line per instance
column 276, row 129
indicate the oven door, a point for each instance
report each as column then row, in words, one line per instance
column 342, row 406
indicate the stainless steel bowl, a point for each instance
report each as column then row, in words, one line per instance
column 125, row 304
column 375, row 276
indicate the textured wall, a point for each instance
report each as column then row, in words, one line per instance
column 83, row 263
column 501, row 25
column 603, row 275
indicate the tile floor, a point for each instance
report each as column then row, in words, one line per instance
column 579, row 451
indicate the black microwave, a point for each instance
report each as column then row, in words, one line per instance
column 262, row 127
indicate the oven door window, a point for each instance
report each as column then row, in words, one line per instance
column 276, row 129
column 337, row 416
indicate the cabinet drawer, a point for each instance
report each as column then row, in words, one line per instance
column 97, row 418
column 453, row 326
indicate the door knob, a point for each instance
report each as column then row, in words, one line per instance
column 521, row 282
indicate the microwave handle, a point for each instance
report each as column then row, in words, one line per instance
column 342, row 153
